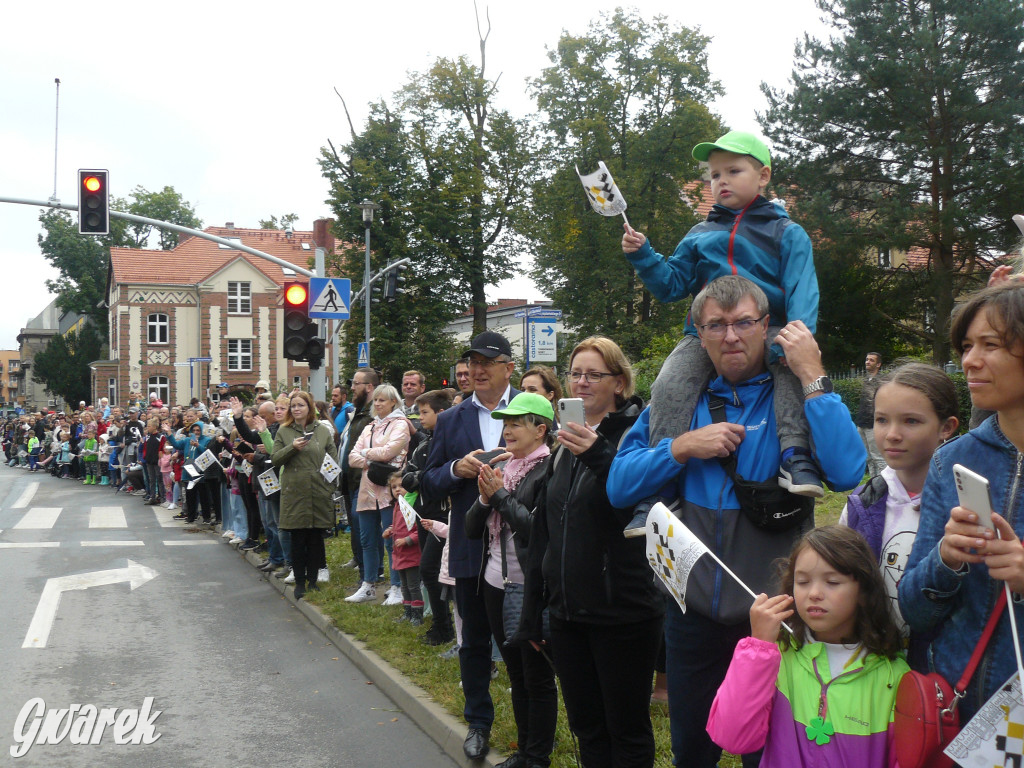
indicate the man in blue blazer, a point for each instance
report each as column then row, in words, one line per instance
column 451, row 471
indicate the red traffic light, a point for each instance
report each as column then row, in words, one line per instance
column 296, row 295
column 92, row 183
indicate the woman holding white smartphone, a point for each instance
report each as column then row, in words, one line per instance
column 959, row 565
column 606, row 613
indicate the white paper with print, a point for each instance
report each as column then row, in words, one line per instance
column 329, row 468
column 246, row 468
column 269, row 482
column 205, row 460
column 602, row 192
column 408, row 513
column 672, row 549
column 994, row 737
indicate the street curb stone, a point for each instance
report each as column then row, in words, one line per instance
column 445, row 730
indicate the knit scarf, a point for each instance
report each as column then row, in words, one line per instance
column 515, row 470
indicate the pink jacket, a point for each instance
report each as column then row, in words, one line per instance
column 387, row 440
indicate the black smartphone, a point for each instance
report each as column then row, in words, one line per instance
column 487, row 456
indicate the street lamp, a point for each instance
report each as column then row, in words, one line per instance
column 367, row 208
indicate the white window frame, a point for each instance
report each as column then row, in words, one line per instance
column 112, row 390
column 161, row 385
column 239, row 298
column 239, row 354
column 153, row 323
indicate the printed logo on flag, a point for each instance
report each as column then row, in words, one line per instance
column 602, row 192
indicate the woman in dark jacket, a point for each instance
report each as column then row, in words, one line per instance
column 606, row 612
column 502, row 517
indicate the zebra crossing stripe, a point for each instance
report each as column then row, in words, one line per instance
column 38, row 518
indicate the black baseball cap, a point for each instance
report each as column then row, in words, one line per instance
column 489, row 344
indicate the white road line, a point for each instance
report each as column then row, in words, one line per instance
column 113, row 543
column 39, row 517
column 107, row 517
column 189, row 542
column 165, row 516
column 26, row 496
column 28, row 544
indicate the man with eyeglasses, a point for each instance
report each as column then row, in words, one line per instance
column 731, row 318
column 461, row 433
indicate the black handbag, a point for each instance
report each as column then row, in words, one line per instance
column 766, row 504
column 378, row 472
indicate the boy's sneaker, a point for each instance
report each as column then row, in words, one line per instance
column 638, row 525
column 394, row 596
column 180, row 516
column 800, row 475
column 365, row 594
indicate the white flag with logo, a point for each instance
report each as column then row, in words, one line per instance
column 672, row 549
column 329, row 468
column 269, row 482
column 205, row 460
column 600, row 187
column 408, row 513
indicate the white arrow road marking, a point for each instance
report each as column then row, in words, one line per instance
column 26, row 496
column 39, row 630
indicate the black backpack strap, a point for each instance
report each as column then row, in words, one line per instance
column 716, row 405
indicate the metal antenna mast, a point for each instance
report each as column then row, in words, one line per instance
column 56, row 125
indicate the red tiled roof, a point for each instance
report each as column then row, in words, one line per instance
column 195, row 259
column 703, row 206
column 500, row 304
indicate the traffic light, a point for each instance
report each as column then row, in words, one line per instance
column 93, row 200
column 302, row 341
column 393, row 282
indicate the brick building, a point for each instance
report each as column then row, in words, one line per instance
column 170, row 310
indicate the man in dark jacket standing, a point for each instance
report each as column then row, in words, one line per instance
column 363, row 383
column 451, row 471
column 865, row 420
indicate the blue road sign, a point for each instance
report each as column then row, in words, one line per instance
column 364, row 355
column 330, row 298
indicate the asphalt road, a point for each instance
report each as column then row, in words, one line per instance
column 238, row 676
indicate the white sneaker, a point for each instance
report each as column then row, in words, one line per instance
column 228, row 535
column 394, row 596
column 236, row 540
column 290, row 578
column 364, row 594
column 172, row 505
column 323, row 576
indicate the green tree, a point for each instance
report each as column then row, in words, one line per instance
column 284, row 222
column 63, row 366
column 910, row 120
column 633, row 93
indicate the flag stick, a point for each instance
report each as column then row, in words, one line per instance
column 627, row 221
column 1013, row 629
column 737, row 580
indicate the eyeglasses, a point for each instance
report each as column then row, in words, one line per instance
column 487, row 363
column 742, row 327
column 594, row 377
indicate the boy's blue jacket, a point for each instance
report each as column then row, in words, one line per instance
column 184, row 444
column 955, row 605
column 767, row 248
column 710, row 508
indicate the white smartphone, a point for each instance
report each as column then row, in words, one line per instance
column 570, row 409
column 973, row 493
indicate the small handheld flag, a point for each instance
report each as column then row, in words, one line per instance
column 604, row 195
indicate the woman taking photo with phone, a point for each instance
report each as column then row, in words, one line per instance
column 307, row 507
column 958, row 567
column 606, row 613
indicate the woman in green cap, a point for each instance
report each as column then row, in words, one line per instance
column 510, row 489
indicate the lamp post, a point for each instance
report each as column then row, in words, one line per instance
column 367, row 208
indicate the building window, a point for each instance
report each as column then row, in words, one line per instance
column 112, row 390
column 158, row 328
column 239, row 298
column 297, row 382
column 239, row 354
column 161, row 386
column 884, row 258
column 14, row 366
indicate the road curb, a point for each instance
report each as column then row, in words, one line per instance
column 445, row 730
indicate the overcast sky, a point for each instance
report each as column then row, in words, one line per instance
column 230, row 102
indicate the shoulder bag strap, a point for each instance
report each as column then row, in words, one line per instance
column 717, row 407
column 979, row 649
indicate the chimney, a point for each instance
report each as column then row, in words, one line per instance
column 230, row 225
column 322, row 234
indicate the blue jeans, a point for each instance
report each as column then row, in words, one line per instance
column 370, row 539
column 239, row 519
column 270, row 510
column 697, row 655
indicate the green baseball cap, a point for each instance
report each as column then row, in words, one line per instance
column 524, row 403
column 738, row 142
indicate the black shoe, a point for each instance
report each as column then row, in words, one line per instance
column 250, row 546
column 515, row 760
column 180, row 516
column 300, row 589
column 475, row 746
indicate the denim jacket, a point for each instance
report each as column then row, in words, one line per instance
column 957, row 604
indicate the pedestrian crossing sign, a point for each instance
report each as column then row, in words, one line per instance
column 329, row 298
column 364, row 355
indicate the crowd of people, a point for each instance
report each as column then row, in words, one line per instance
column 528, row 532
